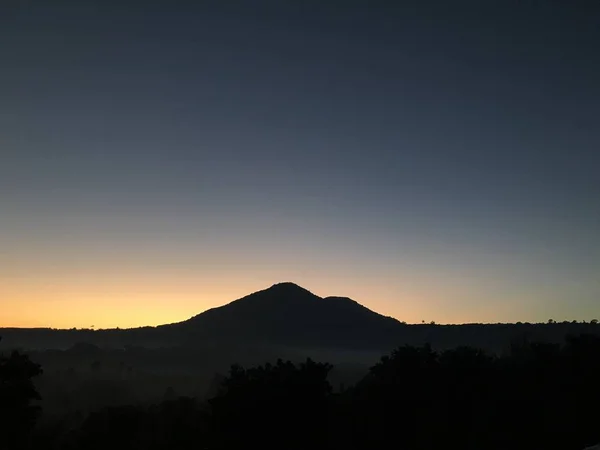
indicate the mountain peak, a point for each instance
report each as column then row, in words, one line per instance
column 284, row 292
column 290, row 315
column 287, row 286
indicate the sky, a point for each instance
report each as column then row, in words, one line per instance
column 433, row 160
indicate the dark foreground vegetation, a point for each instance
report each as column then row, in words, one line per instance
column 537, row 396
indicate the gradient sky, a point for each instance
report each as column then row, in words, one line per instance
column 432, row 160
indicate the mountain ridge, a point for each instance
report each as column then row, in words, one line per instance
column 288, row 314
column 288, row 317
column 284, row 290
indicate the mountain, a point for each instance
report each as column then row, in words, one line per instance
column 288, row 315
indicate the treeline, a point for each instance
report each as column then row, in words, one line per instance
column 492, row 337
column 537, row 396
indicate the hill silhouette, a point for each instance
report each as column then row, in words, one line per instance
column 288, row 315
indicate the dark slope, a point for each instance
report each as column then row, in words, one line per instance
column 289, row 315
column 285, row 317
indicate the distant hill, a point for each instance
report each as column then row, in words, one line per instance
column 288, row 315
column 284, row 321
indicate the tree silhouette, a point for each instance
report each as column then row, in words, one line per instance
column 18, row 414
column 283, row 402
column 393, row 403
column 537, row 395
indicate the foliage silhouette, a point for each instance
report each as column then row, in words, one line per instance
column 286, row 403
column 538, row 395
column 18, row 413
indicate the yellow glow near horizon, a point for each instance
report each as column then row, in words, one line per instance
column 125, row 302
column 151, row 301
column 119, row 304
column 111, row 294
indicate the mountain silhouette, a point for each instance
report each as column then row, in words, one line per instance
column 288, row 315
column 287, row 318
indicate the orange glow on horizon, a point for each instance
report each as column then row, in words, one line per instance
column 146, row 301
column 125, row 303
column 107, row 295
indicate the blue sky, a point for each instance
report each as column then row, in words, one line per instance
column 432, row 161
